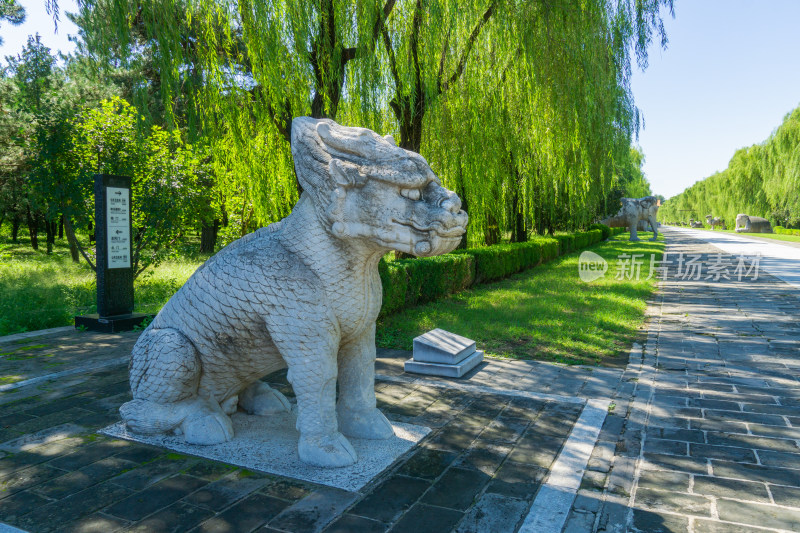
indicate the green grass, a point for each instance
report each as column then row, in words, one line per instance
column 546, row 313
column 776, row 236
column 39, row 291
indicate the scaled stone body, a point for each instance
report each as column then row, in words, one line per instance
column 748, row 224
column 634, row 210
column 302, row 293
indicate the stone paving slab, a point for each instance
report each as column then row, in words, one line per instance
column 707, row 438
column 58, row 474
column 30, row 357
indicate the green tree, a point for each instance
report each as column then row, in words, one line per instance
column 528, row 102
column 12, row 12
column 167, row 176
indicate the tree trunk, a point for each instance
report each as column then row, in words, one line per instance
column 61, row 228
column 208, row 237
column 519, row 232
column 73, row 242
column 15, row 230
column 33, row 230
column 50, row 233
column 491, row 233
column 462, row 194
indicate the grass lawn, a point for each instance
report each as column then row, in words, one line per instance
column 39, row 291
column 545, row 313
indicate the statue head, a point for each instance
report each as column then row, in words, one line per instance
column 366, row 188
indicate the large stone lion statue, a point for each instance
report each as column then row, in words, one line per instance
column 302, row 293
column 634, row 210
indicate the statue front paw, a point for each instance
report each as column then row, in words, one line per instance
column 260, row 399
column 207, row 428
column 371, row 424
column 329, row 451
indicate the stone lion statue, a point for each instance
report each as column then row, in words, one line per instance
column 633, row 210
column 302, row 293
column 715, row 221
column 748, row 224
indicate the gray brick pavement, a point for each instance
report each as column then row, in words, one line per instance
column 708, row 439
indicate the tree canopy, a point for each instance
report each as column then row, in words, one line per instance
column 528, row 101
column 523, row 107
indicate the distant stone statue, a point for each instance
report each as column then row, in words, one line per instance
column 633, row 210
column 302, row 293
column 748, row 224
column 714, row 222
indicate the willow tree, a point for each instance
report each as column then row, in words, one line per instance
column 543, row 111
column 524, row 103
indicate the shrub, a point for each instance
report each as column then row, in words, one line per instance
column 603, row 228
column 566, row 243
column 411, row 281
column 785, row 231
column 499, row 261
column 407, row 282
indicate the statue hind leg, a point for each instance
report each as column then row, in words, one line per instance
column 164, row 374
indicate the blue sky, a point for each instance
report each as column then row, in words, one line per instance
column 730, row 73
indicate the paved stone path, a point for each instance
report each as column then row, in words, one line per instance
column 779, row 258
column 479, row 470
column 704, row 437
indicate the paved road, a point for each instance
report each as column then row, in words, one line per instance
column 779, row 258
column 706, row 431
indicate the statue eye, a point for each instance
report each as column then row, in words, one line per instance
column 411, row 194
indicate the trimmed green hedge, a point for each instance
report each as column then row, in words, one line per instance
column 786, row 231
column 408, row 282
column 605, row 229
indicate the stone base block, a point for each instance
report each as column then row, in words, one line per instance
column 444, row 370
column 110, row 324
column 269, row 444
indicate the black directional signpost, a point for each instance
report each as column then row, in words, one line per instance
column 112, row 213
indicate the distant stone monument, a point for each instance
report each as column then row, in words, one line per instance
column 441, row 353
column 714, row 222
column 302, row 293
column 748, row 224
column 633, row 210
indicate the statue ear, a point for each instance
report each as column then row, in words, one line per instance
column 324, row 130
column 340, row 173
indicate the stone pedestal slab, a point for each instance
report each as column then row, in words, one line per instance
column 445, row 370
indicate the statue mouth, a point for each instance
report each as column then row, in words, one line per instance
column 435, row 227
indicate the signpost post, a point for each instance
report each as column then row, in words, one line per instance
column 113, row 234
